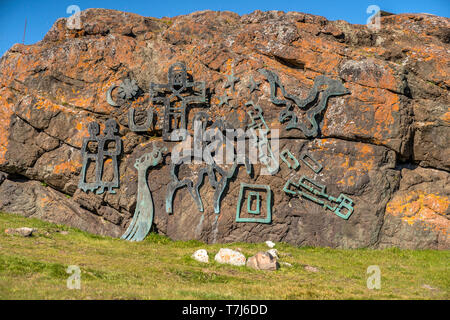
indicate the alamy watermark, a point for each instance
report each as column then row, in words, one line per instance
column 74, row 21
column 374, row 280
column 373, row 22
column 231, row 146
column 74, row 280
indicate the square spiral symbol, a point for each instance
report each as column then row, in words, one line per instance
column 256, row 194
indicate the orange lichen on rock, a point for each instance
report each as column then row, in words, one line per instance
column 394, row 116
column 375, row 116
column 356, row 165
column 371, row 73
column 6, row 111
column 437, row 58
column 44, row 201
column 352, row 160
column 67, row 167
column 44, row 103
column 81, row 131
column 428, row 208
column 446, row 117
column 326, row 62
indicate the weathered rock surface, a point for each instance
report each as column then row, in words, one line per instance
column 34, row 200
column 24, row 231
column 417, row 215
column 263, row 261
column 230, row 256
column 385, row 145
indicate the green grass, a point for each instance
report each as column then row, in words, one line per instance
column 159, row 268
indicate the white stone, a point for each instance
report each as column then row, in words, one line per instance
column 24, row 231
column 201, row 255
column 270, row 244
column 287, row 264
column 273, row 253
column 311, row 269
column 230, row 256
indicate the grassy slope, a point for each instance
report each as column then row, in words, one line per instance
column 158, row 268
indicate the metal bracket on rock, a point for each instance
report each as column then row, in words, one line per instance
column 314, row 103
column 176, row 101
column 257, row 196
column 257, row 211
column 217, row 176
column 194, row 188
column 315, row 166
column 103, row 154
column 143, row 214
column 275, row 83
column 265, row 153
column 140, row 128
column 231, row 81
column 318, row 103
column 127, row 90
column 315, row 192
column 292, row 157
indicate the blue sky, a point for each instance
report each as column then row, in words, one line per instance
column 41, row 14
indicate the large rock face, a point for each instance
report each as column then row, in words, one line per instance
column 385, row 144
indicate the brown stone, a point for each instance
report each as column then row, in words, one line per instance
column 263, row 261
column 417, row 215
column 31, row 199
